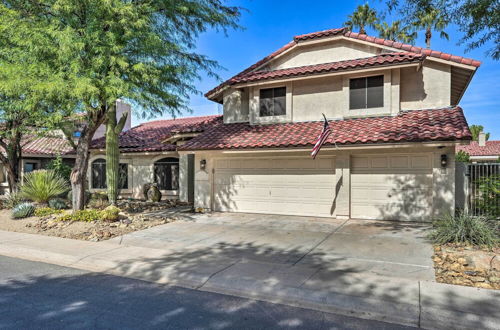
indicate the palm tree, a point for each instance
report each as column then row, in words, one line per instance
column 362, row 17
column 476, row 130
column 395, row 33
column 431, row 18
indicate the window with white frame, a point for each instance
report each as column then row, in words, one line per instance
column 272, row 102
column 366, row 92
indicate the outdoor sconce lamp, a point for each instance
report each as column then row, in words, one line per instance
column 203, row 164
column 444, row 161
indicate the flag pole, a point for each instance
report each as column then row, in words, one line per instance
column 334, row 143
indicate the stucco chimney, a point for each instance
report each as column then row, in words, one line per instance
column 481, row 139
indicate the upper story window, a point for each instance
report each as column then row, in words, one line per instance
column 367, row 92
column 272, row 102
column 99, row 175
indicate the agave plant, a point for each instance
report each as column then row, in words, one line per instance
column 23, row 210
column 42, row 185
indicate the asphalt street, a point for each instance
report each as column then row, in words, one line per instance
column 36, row 295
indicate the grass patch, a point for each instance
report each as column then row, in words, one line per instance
column 464, row 228
column 88, row 215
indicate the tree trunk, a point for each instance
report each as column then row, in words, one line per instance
column 362, row 30
column 79, row 173
column 11, row 160
column 113, row 130
column 428, row 35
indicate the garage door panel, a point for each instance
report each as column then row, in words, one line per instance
column 298, row 186
column 402, row 190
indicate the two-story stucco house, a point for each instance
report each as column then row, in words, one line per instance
column 393, row 109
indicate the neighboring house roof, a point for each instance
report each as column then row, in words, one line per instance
column 149, row 136
column 374, row 61
column 47, row 146
column 447, row 124
column 353, row 35
column 492, row 148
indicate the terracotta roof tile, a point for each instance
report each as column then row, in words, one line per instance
column 379, row 60
column 492, row 148
column 344, row 32
column 148, row 137
column 47, row 146
column 446, row 124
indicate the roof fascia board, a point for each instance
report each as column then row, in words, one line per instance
column 430, row 144
column 398, row 50
column 343, row 72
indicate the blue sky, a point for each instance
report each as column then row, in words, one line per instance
column 269, row 24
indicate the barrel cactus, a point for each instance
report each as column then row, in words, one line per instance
column 154, row 194
column 110, row 213
column 58, row 204
column 23, row 210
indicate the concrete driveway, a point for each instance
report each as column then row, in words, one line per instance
column 305, row 247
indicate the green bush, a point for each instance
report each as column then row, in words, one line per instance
column 87, row 215
column 45, row 211
column 58, row 166
column 489, row 196
column 42, row 185
column 58, row 204
column 13, row 200
column 463, row 228
column 110, row 213
column 23, row 210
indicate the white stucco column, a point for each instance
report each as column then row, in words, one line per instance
column 202, row 183
column 343, row 186
column 183, row 177
column 443, row 193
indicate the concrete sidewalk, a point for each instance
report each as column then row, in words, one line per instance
column 410, row 302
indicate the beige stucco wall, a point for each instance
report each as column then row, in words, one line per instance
column 443, row 178
column 316, row 53
column 427, row 88
column 140, row 171
column 236, row 105
column 316, row 96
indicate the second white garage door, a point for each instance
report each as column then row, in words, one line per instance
column 281, row 185
column 392, row 187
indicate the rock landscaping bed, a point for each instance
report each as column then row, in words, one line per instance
column 134, row 215
column 468, row 265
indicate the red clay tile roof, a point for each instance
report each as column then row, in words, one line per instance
column 446, row 124
column 492, row 148
column 379, row 60
column 47, row 146
column 148, row 137
column 344, row 32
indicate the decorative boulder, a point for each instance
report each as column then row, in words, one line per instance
column 154, row 194
column 145, row 189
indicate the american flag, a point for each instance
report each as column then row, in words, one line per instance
column 321, row 138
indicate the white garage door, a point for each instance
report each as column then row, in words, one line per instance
column 291, row 185
column 392, row 187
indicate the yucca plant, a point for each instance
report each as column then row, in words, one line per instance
column 42, row 185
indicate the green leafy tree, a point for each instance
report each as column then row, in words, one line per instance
column 98, row 51
column 364, row 16
column 61, row 169
column 462, row 156
column 396, row 32
column 476, row 130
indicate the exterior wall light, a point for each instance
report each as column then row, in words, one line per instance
column 203, row 164
column 444, row 161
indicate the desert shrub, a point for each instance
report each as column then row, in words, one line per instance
column 13, row 200
column 87, row 215
column 98, row 200
column 45, row 211
column 23, row 210
column 463, row 228
column 58, row 204
column 42, row 185
column 110, row 213
column 58, row 166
